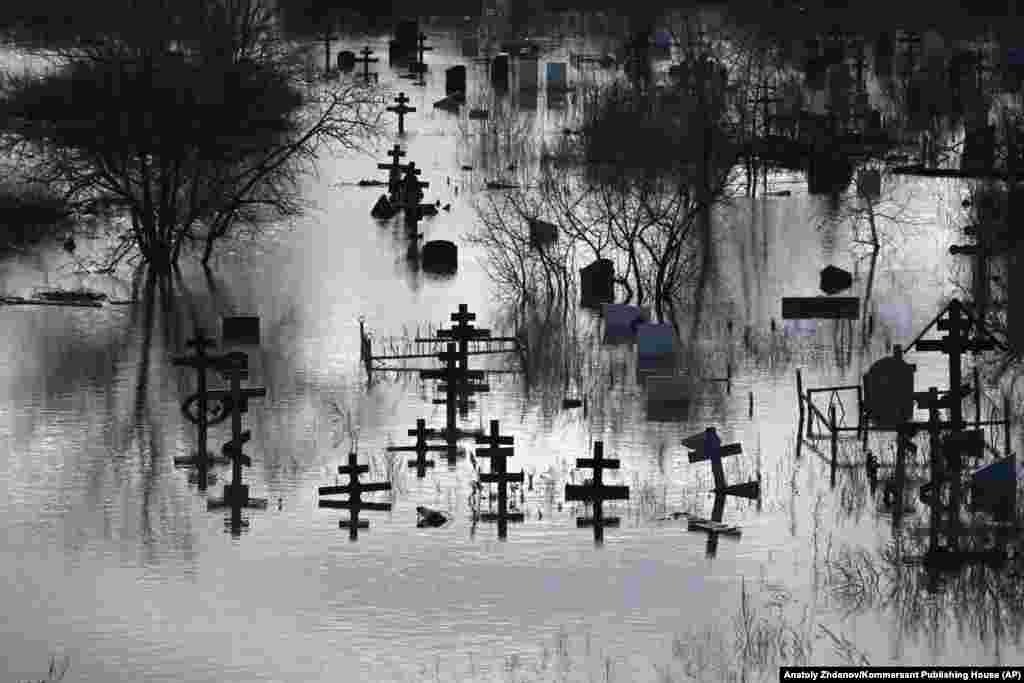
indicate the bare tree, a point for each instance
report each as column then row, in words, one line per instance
column 198, row 122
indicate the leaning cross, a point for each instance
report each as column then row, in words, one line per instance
column 401, row 109
column 354, row 489
column 235, row 493
column 597, row 492
column 365, row 59
column 708, row 446
column 499, row 475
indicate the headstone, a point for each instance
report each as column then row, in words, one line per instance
column 995, row 487
column 597, row 283
column 557, row 76
column 979, row 149
column 821, row 307
column 499, row 71
column 470, row 46
column 542, row 232
column 668, row 398
column 478, row 114
column 869, row 182
column 240, row 330
column 889, row 391
column 383, row 209
column 455, row 80
column 440, row 256
column 656, row 344
column 662, row 40
column 346, row 60
column 621, row 321
column 835, row 279
column 529, row 73
column 406, row 35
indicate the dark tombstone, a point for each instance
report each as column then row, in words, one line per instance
column 979, row 150
column 499, row 71
column 478, row 114
column 889, row 391
column 406, row 35
column 597, row 283
column 820, row 308
column 834, row 280
column 542, row 233
column 355, row 504
column 383, row 209
column 346, row 60
column 242, row 330
column 455, row 80
column 596, row 492
column 440, row 256
column 994, row 487
column 828, row 173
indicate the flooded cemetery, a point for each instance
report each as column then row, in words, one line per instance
column 508, row 342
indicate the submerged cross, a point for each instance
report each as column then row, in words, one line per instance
column 499, row 475
column 354, row 489
column 597, row 492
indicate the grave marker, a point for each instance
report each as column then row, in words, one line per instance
column 401, row 109
column 200, row 362
column 499, row 475
column 597, row 492
column 708, row 446
column 421, row 448
column 355, row 488
column 366, row 60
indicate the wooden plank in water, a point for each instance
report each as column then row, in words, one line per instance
column 820, row 307
column 698, row 524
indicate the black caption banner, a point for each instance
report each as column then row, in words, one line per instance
column 789, row 674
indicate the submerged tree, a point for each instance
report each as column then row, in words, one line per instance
column 194, row 123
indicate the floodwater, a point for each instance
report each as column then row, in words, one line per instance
column 111, row 557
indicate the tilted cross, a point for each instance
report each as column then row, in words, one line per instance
column 420, row 46
column 708, row 446
column 354, row 489
column 499, row 475
column 401, row 109
column 597, row 492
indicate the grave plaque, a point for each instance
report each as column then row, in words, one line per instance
column 240, row 330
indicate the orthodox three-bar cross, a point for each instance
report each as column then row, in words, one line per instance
column 499, row 475
column 597, row 491
column 354, row 489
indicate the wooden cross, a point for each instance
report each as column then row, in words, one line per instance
column 200, row 362
column 235, row 493
column 454, row 378
column 420, row 462
column 413, row 190
column 401, row 109
column 365, row 59
column 420, row 47
column 597, row 492
column 354, row 489
column 499, row 475
column 708, row 446
column 463, row 333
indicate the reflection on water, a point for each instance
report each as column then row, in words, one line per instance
column 112, row 556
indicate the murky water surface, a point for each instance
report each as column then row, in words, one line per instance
column 111, row 557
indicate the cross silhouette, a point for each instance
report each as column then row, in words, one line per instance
column 420, row 47
column 420, row 462
column 235, row 493
column 401, row 109
column 365, row 59
column 199, row 362
column 463, row 332
column 597, row 492
column 499, row 475
column 354, row 489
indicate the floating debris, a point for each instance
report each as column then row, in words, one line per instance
column 430, row 518
column 371, row 183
